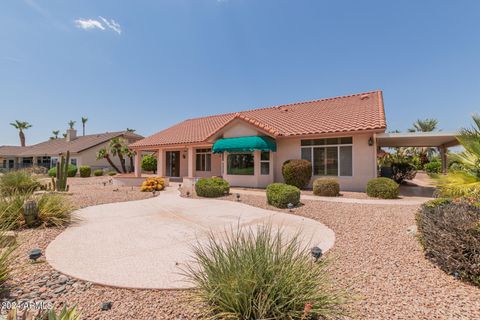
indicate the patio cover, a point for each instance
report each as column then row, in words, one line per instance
column 418, row 139
column 244, row 144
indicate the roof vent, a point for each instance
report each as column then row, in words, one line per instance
column 283, row 109
column 364, row 97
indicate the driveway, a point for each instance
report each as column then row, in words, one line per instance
column 144, row 244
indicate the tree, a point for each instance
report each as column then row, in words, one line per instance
column 71, row 124
column 130, row 130
column 103, row 154
column 21, row 126
column 426, row 125
column 116, row 147
column 84, row 121
column 149, row 163
column 55, row 134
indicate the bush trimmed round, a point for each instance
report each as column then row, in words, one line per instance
column 297, row 172
column 280, row 195
column 71, row 172
column 212, row 187
column 326, row 187
column 383, row 188
column 433, row 167
column 98, row 173
column 449, row 231
column 85, row 171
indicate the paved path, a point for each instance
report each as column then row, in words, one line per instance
column 413, row 201
column 143, row 244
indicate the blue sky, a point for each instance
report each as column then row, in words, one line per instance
column 149, row 64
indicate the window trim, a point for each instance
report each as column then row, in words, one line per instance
column 203, row 154
column 325, row 146
column 265, row 161
column 237, row 153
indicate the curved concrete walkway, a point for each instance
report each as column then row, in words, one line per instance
column 144, row 244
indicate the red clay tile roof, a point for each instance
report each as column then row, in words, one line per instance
column 57, row 146
column 357, row 112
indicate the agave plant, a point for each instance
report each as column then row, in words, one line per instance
column 465, row 180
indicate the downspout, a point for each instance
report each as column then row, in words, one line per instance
column 375, row 154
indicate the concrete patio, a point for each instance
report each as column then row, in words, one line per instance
column 144, row 244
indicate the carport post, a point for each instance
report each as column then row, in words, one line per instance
column 443, row 156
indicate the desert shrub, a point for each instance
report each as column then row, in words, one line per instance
column 112, row 173
column 71, row 172
column 153, row 184
column 261, row 274
column 433, row 167
column 18, row 182
column 383, row 188
column 403, row 170
column 85, row 171
column 449, row 231
column 212, row 187
column 149, row 163
column 280, row 195
column 326, row 187
column 64, row 314
column 53, row 210
column 98, row 173
column 36, row 170
column 297, row 173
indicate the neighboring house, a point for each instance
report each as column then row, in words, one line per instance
column 83, row 151
column 337, row 135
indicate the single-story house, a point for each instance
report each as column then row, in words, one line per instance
column 337, row 135
column 83, row 151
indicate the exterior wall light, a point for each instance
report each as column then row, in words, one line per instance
column 370, row 141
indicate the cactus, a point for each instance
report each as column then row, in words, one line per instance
column 30, row 213
column 62, row 173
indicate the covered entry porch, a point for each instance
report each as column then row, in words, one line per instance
column 440, row 140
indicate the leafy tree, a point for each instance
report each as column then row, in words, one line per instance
column 84, row 121
column 21, row 126
column 71, row 124
column 149, row 163
column 55, row 133
column 130, row 130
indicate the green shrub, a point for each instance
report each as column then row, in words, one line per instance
column 297, row 173
column 149, row 163
column 18, row 181
column 449, row 231
column 112, row 173
column 72, row 171
column 280, row 195
column 326, row 187
column 403, row 170
column 433, row 167
column 85, row 171
column 53, row 210
column 259, row 274
column 383, row 188
column 212, row 187
column 98, row 173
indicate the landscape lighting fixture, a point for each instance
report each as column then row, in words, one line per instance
column 370, row 141
column 34, row 254
column 316, row 253
column 238, row 196
column 290, row 207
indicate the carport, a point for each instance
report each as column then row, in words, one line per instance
column 440, row 140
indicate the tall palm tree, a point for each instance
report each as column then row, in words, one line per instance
column 425, row 125
column 103, row 154
column 71, row 124
column 130, row 130
column 130, row 154
column 55, row 134
column 84, row 121
column 116, row 147
column 21, row 126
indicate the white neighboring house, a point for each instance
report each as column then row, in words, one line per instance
column 83, row 151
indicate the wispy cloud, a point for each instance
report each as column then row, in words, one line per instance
column 90, row 24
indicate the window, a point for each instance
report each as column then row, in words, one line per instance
column 265, row 163
column 73, row 161
column 240, row 164
column 203, row 160
column 329, row 157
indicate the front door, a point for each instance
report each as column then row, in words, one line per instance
column 173, row 163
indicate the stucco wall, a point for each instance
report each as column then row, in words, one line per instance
column 89, row 158
column 363, row 161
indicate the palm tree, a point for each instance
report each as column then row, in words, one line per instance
column 103, row 154
column 55, row 134
column 84, row 121
column 71, row 124
column 426, row 125
column 116, row 147
column 465, row 179
column 21, row 126
column 131, row 155
column 130, row 130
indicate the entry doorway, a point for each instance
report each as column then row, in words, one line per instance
column 173, row 163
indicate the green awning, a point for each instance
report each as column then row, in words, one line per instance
column 244, row 144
